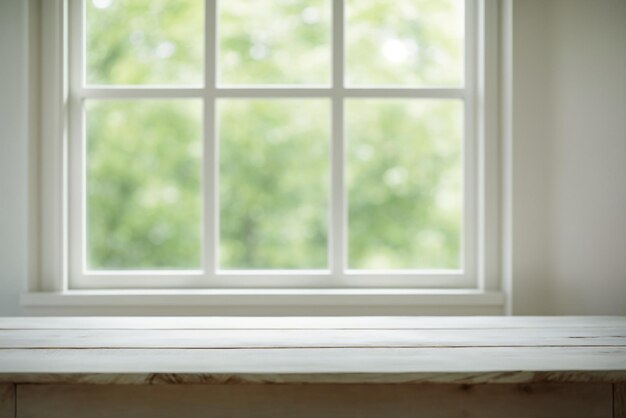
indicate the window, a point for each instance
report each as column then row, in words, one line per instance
column 275, row 143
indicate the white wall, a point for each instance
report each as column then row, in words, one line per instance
column 569, row 155
column 13, row 152
column 531, row 118
column 588, row 189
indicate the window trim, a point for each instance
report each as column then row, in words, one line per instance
column 52, row 263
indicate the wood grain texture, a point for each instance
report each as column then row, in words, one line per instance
column 619, row 400
column 314, row 401
column 7, row 400
column 331, row 350
column 330, row 338
column 320, row 365
column 373, row 322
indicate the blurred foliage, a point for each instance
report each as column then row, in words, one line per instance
column 144, row 157
column 274, row 41
column 405, row 42
column 144, row 164
column 145, row 41
column 274, row 181
column 404, row 168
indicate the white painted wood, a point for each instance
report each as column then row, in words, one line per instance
column 343, row 338
column 7, row 400
column 470, row 186
column 53, row 145
column 326, row 350
column 319, row 365
column 363, row 301
column 139, row 92
column 314, row 401
column 318, row 322
column 94, row 92
column 304, row 310
column 54, row 174
column 337, row 233
column 76, row 165
column 210, row 164
column 488, row 154
column 201, row 377
column 318, row 279
column 54, row 92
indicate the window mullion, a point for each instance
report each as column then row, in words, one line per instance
column 338, row 227
column 211, row 153
column 132, row 92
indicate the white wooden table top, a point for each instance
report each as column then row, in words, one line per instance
column 313, row 350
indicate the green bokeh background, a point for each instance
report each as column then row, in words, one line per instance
column 145, row 157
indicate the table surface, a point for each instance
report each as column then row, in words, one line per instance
column 312, row 350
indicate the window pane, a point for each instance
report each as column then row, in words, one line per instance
column 405, row 42
column 274, row 183
column 404, row 178
column 144, row 205
column 145, row 41
column 274, row 42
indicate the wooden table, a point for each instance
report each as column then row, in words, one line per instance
column 313, row 367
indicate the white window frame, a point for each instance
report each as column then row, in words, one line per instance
column 59, row 120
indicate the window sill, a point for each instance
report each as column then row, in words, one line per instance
column 276, row 301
